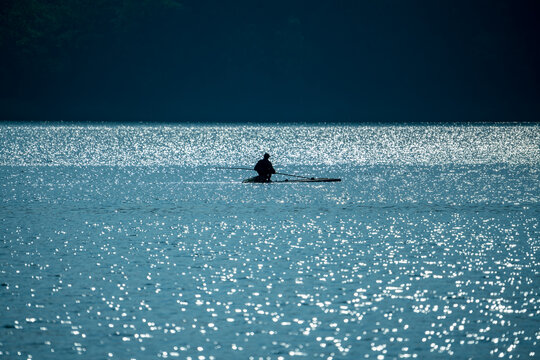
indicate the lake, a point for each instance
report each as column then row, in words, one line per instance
column 125, row 242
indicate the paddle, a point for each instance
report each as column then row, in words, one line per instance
column 242, row 168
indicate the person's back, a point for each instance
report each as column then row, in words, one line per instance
column 265, row 169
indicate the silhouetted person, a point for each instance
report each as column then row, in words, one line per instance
column 265, row 169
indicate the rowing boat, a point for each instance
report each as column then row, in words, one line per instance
column 256, row 179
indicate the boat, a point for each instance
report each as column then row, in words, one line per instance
column 256, row 180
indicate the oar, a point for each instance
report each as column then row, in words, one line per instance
column 234, row 168
column 242, row 168
column 298, row 176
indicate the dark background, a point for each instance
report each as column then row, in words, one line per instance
column 276, row 61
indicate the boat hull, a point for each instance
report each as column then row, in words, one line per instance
column 257, row 180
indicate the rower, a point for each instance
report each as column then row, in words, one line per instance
column 265, row 169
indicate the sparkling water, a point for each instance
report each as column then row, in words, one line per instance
column 126, row 242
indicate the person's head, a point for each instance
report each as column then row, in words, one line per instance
column 266, row 155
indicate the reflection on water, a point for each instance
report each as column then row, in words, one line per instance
column 424, row 250
column 292, row 145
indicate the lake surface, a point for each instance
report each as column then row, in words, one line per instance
column 125, row 242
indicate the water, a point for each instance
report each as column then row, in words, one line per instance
column 124, row 242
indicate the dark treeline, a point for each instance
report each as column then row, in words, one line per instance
column 169, row 60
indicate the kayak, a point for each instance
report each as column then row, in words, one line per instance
column 255, row 180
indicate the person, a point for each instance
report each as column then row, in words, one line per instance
column 265, row 169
